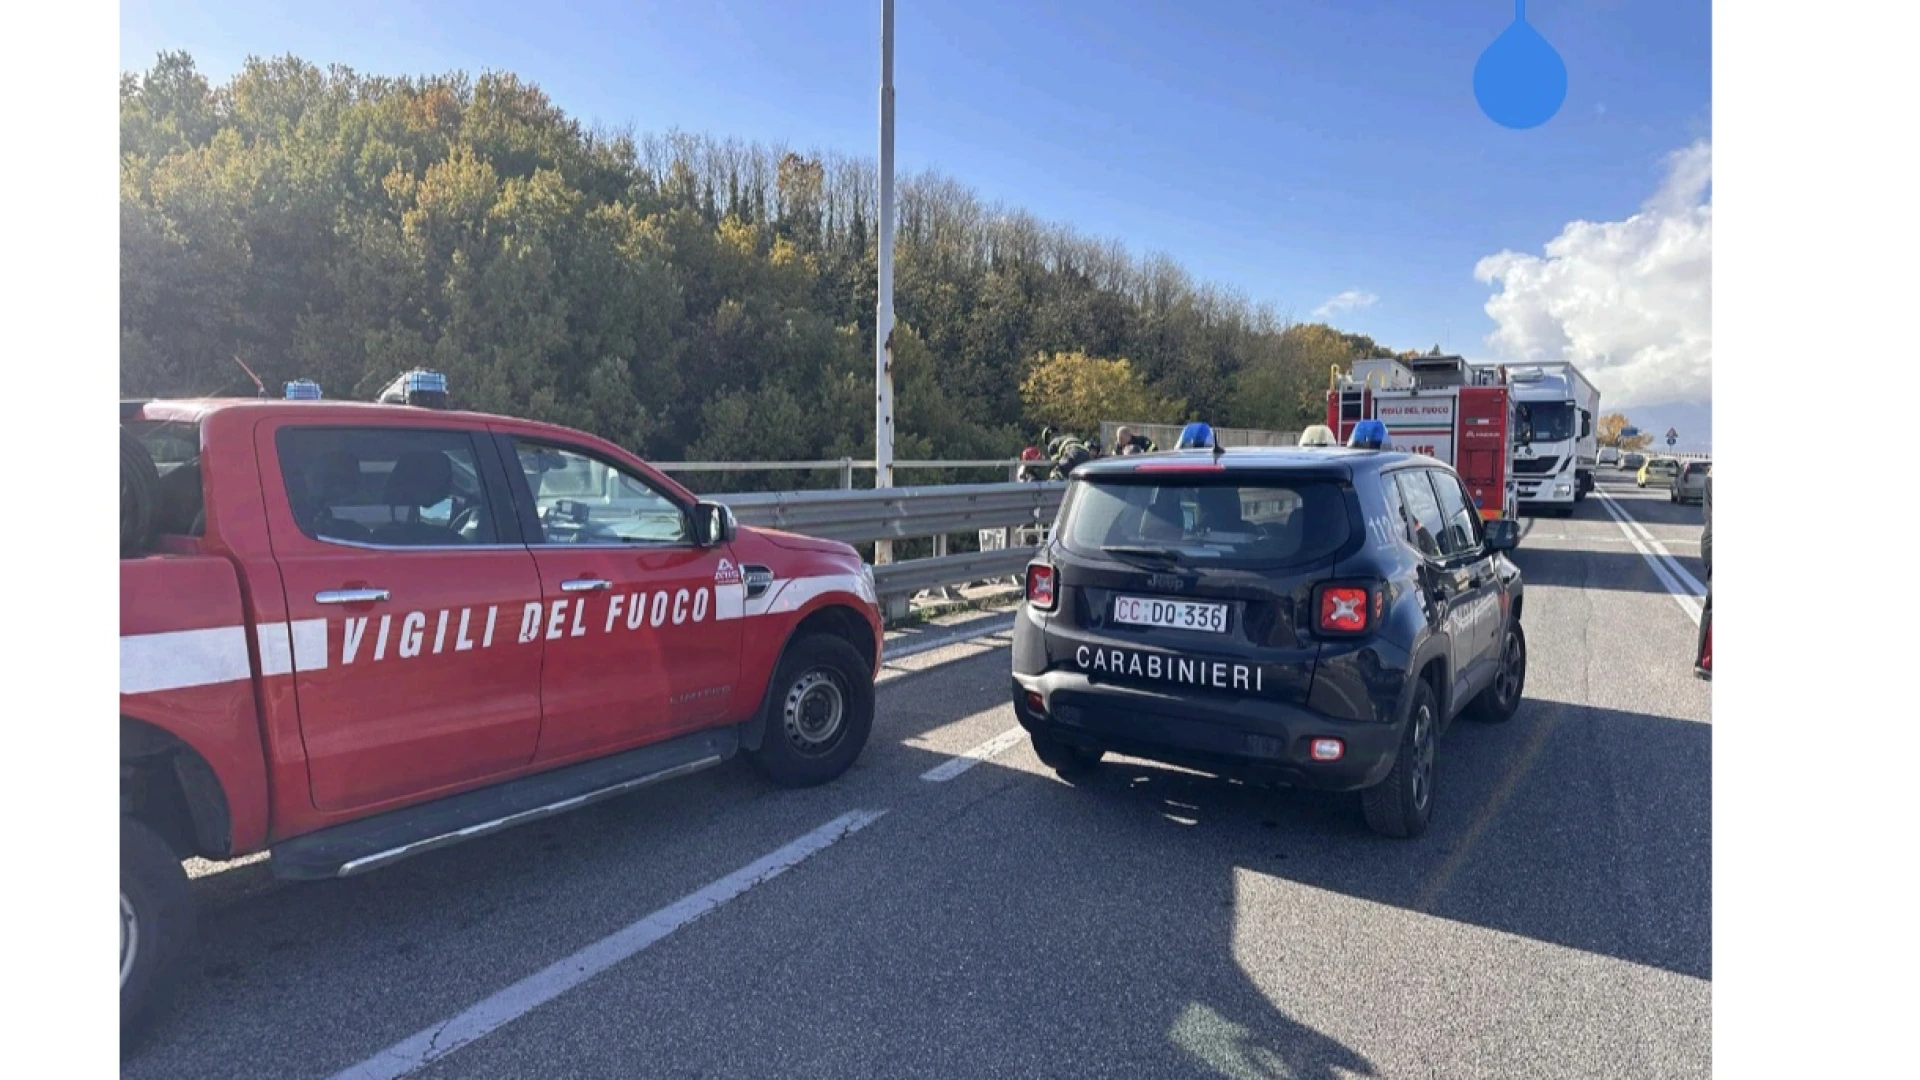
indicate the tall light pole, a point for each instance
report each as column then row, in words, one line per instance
column 883, row 321
column 883, row 324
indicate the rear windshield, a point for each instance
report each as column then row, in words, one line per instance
column 174, row 446
column 1231, row 521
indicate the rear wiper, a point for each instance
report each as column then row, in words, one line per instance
column 1151, row 554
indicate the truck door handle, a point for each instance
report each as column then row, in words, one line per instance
column 585, row 585
column 350, row 596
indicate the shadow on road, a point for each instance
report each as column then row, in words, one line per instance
column 1581, row 827
column 1584, row 568
column 302, row 979
column 1004, row 923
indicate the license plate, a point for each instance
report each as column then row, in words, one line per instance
column 1170, row 614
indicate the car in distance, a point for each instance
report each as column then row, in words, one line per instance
column 1689, row 485
column 1632, row 462
column 1314, row 617
column 1609, row 455
column 1658, row 470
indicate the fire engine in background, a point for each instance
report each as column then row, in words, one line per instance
column 1442, row 407
column 354, row 632
column 1557, row 408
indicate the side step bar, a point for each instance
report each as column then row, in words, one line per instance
column 359, row 846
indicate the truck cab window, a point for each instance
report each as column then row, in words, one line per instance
column 583, row 500
column 1552, row 421
column 388, row 487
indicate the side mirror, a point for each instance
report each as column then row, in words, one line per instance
column 1503, row 534
column 713, row 524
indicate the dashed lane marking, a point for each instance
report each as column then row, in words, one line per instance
column 954, row 767
column 429, row 1045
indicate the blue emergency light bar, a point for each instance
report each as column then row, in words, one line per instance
column 426, row 382
column 1195, row 436
column 427, row 389
column 303, row 390
column 1368, row 435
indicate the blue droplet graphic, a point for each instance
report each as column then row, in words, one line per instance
column 1520, row 81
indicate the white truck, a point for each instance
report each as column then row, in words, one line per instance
column 1559, row 448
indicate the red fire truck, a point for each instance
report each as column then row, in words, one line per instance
column 1442, row 407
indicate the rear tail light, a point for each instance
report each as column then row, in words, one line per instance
column 1040, row 586
column 1035, row 703
column 1347, row 609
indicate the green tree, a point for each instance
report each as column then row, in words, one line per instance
column 1285, row 388
column 1076, row 392
column 683, row 295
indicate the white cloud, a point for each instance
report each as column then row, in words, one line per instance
column 1351, row 300
column 1630, row 301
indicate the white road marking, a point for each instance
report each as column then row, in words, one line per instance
column 950, row 769
column 1665, row 566
column 537, row 989
column 1653, row 542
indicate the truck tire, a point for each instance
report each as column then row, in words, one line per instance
column 139, row 496
column 1498, row 702
column 156, row 927
column 1401, row 805
column 819, row 713
column 1068, row 762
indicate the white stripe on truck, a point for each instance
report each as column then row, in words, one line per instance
column 184, row 659
column 178, row 659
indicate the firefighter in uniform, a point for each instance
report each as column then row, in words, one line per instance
column 1126, row 442
column 1068, row 452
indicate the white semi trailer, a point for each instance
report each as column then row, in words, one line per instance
column 1559, row 411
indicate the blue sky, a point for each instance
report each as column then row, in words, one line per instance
column 1293, row 149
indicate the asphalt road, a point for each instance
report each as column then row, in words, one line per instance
column 1555, row 922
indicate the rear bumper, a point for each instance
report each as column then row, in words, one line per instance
column 1258, row 740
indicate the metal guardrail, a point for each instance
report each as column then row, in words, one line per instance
column 882, row 514
column 919, row 575
column 864, row 516
column 846, row 466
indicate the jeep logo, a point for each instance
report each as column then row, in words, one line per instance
column 1167, row 582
